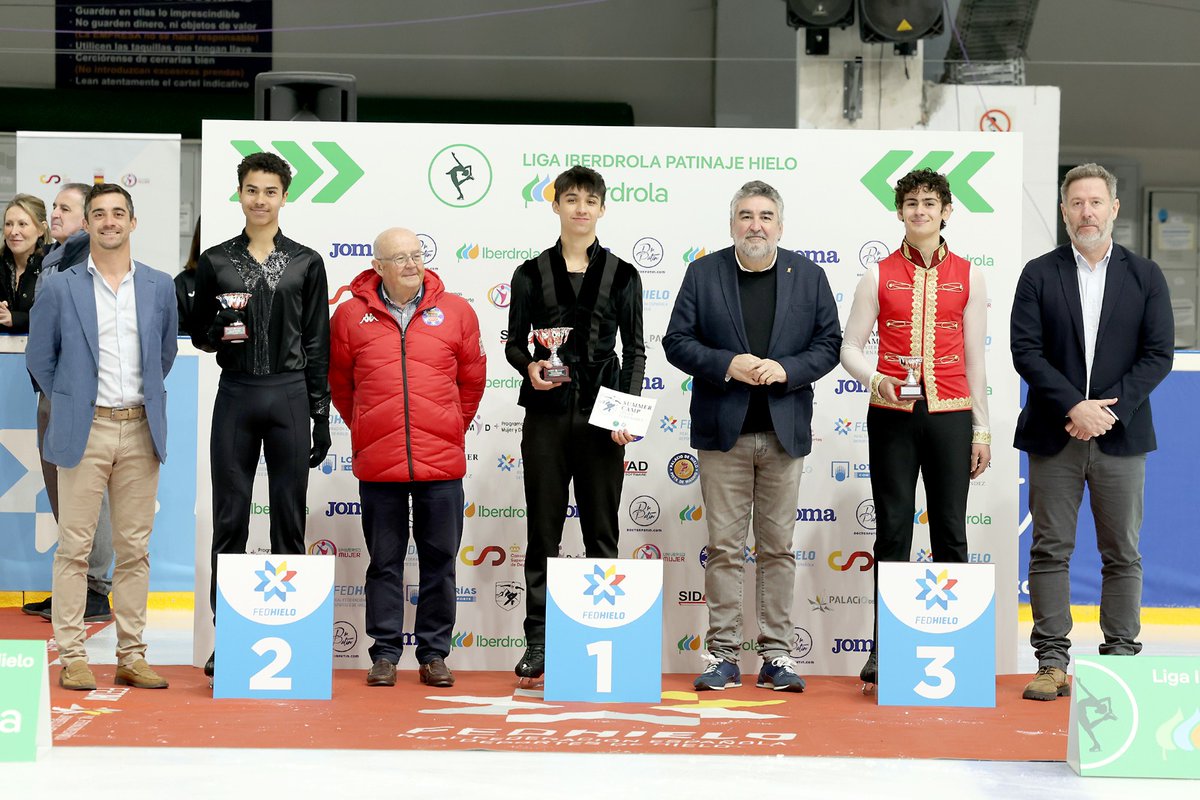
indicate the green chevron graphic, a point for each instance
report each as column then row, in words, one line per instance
column 878, row 179
column 307, row 171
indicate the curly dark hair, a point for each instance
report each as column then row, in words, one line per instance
column 265, row 162
column 923, row 179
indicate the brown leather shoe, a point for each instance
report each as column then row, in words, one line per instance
column 382, row 673
column 1050, row 683
column 139, row 675
column 77, row 676
column 436, row 673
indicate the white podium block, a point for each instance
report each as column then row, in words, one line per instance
column 604, row 630
column 274, row 627
column 937, row 634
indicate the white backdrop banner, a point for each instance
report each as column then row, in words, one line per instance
column 479, row 196
column 146, row 164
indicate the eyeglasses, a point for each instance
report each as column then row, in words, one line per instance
column 403, row 259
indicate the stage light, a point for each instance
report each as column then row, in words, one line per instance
column 325, row 96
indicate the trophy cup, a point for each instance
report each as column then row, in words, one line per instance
column 552, row 339
column 911, row 389
column 235, row 333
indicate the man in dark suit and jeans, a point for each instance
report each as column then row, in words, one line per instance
column 1092, row 335
column 755, row 326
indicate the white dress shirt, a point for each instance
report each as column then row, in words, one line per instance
column 120, row 375
column 1091, row 297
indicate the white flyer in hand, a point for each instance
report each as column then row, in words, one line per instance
column 616, row 411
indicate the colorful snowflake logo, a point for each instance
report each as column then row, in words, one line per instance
column 604, row 585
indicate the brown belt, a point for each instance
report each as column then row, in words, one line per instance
column 136, row 412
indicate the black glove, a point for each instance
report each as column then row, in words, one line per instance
column 226, row 316
column 321, row 441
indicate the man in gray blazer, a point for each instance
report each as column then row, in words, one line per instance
column 101, row 342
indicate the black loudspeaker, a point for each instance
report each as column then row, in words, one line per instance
column 901, row 22
column 327, row 96
column 820, row 13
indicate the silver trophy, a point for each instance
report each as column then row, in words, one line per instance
column 237, row 301
column 552, row 339
column 911, row 389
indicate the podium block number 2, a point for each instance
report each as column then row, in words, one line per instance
column 267, row 679
column 603, row 653
column 938, row 657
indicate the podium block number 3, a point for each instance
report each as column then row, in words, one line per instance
column 267, row 679
column 938, row 657
column 603, row 653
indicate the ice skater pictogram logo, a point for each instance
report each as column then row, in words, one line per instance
column 935, row 589
column 604, row 585
column 275, row 581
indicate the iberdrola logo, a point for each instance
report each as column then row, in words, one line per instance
column 692, row 253
column 538, row 190
column 469, row 250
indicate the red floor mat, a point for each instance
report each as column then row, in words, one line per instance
column 832, row 718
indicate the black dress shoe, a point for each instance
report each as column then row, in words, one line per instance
column 436, row 673
column 210, row 666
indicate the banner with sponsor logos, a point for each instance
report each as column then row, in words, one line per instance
column 480, row 199
column 146, row 164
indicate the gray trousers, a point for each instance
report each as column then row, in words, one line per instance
column 100, row 559
column 1115, row 485
column 755, row 479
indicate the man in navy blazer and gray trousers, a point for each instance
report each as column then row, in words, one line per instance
column 101, row 342
column 755, row 326
column 1092, row 335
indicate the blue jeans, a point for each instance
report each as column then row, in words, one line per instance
column 756, row 477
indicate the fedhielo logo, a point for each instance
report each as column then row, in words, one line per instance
column 749, row 555
column 692, row 253
column 500, row 295
column 344, row 637
column 644, row 510
column 923, row 556
column 509, row 594
column 604, row 585
column 648, row 552
column 691, row 514
column 460, row 175
column 836, row 563
column 275, row 581
column 935, row 589
column 322, row 547
column 647, row 253
column 491, row 554
column 872, row 252
column 668, row 424
column 506, row 463
column 842, row 426
column 683, row 468
column 865, row 514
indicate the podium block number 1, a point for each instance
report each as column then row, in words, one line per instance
column 603, row 651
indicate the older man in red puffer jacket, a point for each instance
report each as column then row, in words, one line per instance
column 407, row 371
